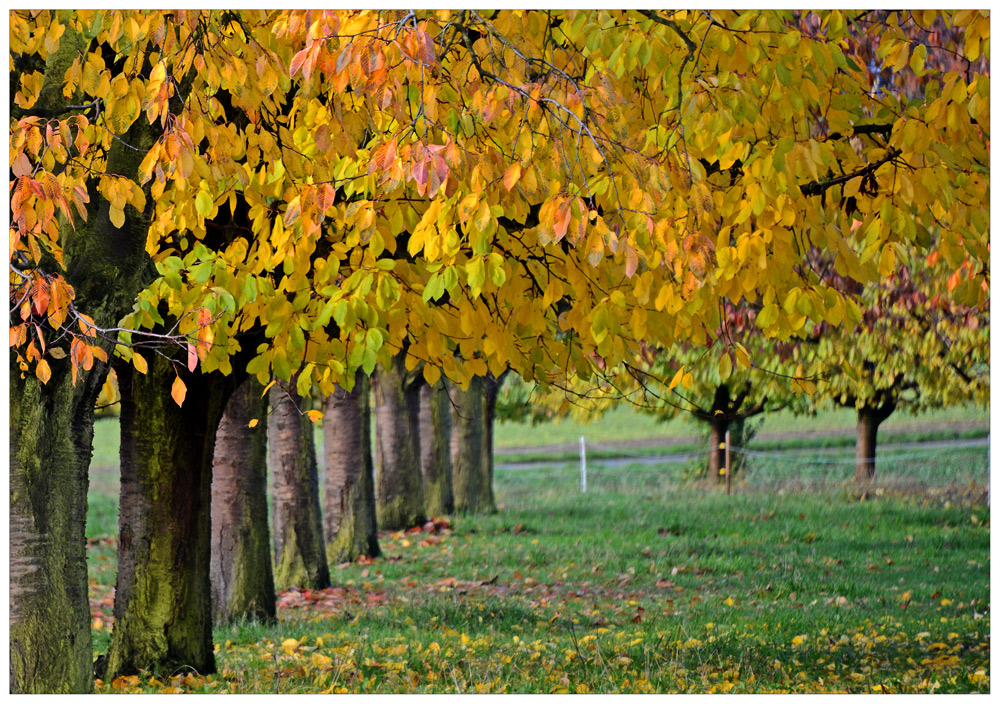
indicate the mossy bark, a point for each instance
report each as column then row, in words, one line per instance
column 470, row 480
column 51, row 435
column 399, row 496
column 163, row 614
column 435, row 448
column 349, row 487
column 242, row 578
column 299, row 550
column 51, row 428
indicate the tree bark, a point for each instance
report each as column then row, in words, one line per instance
column 491, row 390
column 163, row 610
column 52, row 425
column 717, row 456
column 469, row 472
column 870, row 417
column 435, row 448
column 349, row 487
column 299, row 550
column 51, row 437
column 242, row 578
column 399, row 496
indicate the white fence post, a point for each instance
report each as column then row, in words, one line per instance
column 583, row 465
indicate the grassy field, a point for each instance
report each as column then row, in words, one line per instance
column 623, row 423
column 647, row 583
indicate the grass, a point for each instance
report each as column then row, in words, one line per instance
column 623, row 423
column 647, row 583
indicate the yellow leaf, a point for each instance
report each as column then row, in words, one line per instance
column 178, row 391
column 289, row 645
column 725, row 367
column 512, row 175
column 43, row 372
column 140, row 363
column 687, row 381
column 203, row 203
column 431, row 374
column 253, row 423
column 677, row 378
column 117, row 216
column 315, row 416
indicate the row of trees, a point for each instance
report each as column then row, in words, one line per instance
column 164, row 610
column 204, row 196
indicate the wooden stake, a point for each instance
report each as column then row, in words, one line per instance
column 729, row 467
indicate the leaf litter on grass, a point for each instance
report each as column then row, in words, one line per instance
column 809, row 593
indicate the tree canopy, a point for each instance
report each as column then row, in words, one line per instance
column 532, row 189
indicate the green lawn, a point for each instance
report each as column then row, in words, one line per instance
column 647, row 583
column 624, row 423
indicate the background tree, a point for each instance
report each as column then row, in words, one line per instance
column 242, row 578
column 399, row 496
column 915, row 348
column 349, row 486
column 471, row 476
column 299, row 549
column 435, row 448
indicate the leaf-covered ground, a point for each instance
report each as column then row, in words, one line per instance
column 636, row 586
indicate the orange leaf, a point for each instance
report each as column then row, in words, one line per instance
column 192, row 357
column 315, row 416
column 178, row 391
column 512, row 175
column 253, row 423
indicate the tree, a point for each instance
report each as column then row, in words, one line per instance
column 471, row 473
column 299, row 549
column 564, row 184
column 915, row 349
column 163, row 618
column 349, row 487
column 399, row 495
column 435, row 448
column 242, row 578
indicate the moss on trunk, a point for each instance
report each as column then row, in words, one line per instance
column 51, row 435
column 435, row 448
column 349, row 487
column 470, row 478
column 399, row 496
column 51, row 428
column 299, row 550
column 163, row 616
column 242, row 578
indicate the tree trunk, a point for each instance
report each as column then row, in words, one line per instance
column 870, row 417
column 717, row 456
column 399, row 498
column 491, row 390
column 52, row 426
column 469, row 473
column 435, row 448
column 163, row 610
column 242, row 579
column 349, row 487
column 51, row 437
column 299, row 550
